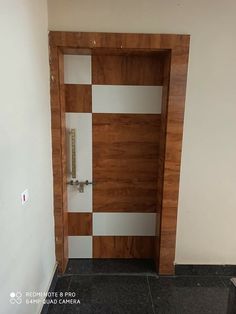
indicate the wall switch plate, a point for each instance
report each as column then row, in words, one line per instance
column 24, row 197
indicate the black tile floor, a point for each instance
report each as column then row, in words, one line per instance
column 107, row 266
column 139, row 292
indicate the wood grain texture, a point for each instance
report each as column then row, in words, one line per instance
column 172, row 157
column 59, row 156
column 78, row 98
column 98, row 51
column 116, row 43
column 127, row 69
column 165, row 94
column 123, row 247
column 79, row 224
column 125, row 162
column 75, row 51
column 120, row 41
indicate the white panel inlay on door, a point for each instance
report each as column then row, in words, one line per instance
column 80, row 247
column 124, row 224
column 82, row 122
column 126, row 99
column 77, row 69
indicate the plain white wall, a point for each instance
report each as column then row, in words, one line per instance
column 27, row 232
column 207, row 203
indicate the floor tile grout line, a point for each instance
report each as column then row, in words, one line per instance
column 112, row 274
column 145, row 274
column 150, row 294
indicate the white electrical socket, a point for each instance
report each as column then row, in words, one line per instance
column 24, row 197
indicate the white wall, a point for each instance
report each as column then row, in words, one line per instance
column 27, row 232
column 207, row 204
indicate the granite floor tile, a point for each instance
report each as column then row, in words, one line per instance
column 107, row 309
column 185, row 295
column 232, row 297
column 205, row 270
column 141, row 294
column 96, row 266
column 226, row 281
column 62, row 286
column 100, row 294
column 112, row 290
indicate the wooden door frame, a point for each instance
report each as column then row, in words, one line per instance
column 174, row 88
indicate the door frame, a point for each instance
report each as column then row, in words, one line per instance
column 176, row 48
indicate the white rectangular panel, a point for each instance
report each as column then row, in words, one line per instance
column 157, row 223
column 80, row 246
column 82, row 122
column 126, row 99
column 77, row 69
column 124, row 224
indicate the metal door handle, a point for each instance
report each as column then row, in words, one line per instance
column 79, row 184
column 88, row 182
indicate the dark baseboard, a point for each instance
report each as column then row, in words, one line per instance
column 51, row 289
column 205, row 270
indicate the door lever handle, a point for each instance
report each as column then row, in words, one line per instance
column 79, row 184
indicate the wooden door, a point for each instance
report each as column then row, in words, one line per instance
column 117, row 118
column 175, row 49
column 125, row 169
